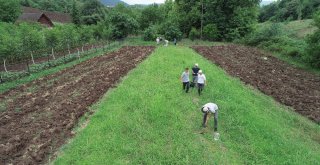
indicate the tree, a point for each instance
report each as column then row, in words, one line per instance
column 122, row 25
column 31, row 38
column 314, row 44
column 150, row 15
column 9, row 10
column 92, row 12
column 75, row 13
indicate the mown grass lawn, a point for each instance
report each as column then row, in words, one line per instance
column 148, row 119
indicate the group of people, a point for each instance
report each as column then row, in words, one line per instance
column 166, row 42
column 199, row 80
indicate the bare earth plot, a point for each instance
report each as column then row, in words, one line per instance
column 288, row 85
column 37, row 118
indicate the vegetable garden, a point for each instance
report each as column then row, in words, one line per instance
column 38, row 117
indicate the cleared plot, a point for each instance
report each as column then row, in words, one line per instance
column 288, row 85
column 37, row 118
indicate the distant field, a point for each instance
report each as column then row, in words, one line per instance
column 299, row 29
column 148, row 119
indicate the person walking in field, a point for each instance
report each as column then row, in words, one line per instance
column 175, row 41
column 195, row 70
column 201, row 81
column 185, row 80
column 158, row 40
column 166, row 42
column 207, row 110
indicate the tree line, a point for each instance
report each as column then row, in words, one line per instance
column 289, row 10
column 27, row 40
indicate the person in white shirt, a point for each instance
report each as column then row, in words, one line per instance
column 208, row 109
column 166, row 42
column 158, row 40
column 185, row 80
column 201, row 81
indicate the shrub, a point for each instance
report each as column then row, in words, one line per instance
column 194, row 34
column 313, row 49
column 172, row 32
column 150, row 34
column 210, row 32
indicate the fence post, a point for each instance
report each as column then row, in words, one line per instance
column 53, row 54
column 48, row 58
column 78, row 53
column 4, row 64
column 32, row 58
column 69, row 49
column 28, row 68
column 1, row 80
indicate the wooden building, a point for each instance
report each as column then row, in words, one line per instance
column 46, row 18
column 36, row 17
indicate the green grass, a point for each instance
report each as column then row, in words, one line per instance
column 12, row 84
column 301, row 28
column 148, row 119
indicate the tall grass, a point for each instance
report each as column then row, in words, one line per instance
column 148, row 119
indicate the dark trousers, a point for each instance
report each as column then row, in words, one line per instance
column 186, row 86
column 206, row 117
column 200, row 88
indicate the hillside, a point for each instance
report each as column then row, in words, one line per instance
column 112, row 2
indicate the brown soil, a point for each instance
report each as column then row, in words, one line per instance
column 288, row 85
column 39, row 116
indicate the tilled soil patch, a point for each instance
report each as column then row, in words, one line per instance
column 37, row 118
column 288, row 85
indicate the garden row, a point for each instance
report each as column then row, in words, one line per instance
column 290, row 86
column 10, row 72
column 38, row 117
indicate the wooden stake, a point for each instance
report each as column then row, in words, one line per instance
column 53, row 54
column 4, row 64
column 69, row 49
column 32, row 58
column 78, row 53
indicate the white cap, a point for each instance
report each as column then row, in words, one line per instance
column 196, row 64
column 200, row 71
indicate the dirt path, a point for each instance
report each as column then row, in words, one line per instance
column 37, row 118
column 288, row 85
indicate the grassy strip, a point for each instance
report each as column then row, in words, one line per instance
column 148, row 119
column 33, row 76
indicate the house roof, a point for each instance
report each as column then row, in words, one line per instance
column 54, row 16
column 30, row 17
column 33, row 17
column 59, row 17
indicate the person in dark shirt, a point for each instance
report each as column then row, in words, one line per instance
column 195, row 71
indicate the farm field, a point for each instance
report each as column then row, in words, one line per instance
column 148, row 119
column 38, row 117
column 290, row 86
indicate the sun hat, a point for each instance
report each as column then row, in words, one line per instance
column 200, row 71
column 196, row 64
